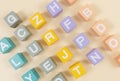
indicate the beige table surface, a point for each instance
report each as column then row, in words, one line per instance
column 107, row 10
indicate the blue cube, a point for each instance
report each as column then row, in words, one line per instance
column 18, row 61
column 6, row 45
column 31, row 75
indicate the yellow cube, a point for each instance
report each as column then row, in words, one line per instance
column 37, row 20
column 64, row 54
column 50, row 37
column 77, row 70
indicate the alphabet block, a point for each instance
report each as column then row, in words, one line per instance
column 59, row 77
column 31, row 75
column 99, row 28
column 71, row 1
column 22, row 33
column 68, row 24
column 86, row 12
column 117, row 59
column 95, row 56
column 18, row 61
column 77, row 70
column 50, row 37
column 12, row 19
column 34, row 48
column 64, row 55
column 112, row 42
column 37, row 20
column 81, row 41
column 48, row 65
column 54, row 8
column 6, row 45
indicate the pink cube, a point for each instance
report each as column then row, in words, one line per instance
column 71, row 1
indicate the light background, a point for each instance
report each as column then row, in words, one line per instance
column 107, row 10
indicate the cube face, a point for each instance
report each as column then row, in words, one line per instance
column 71, row 1
column 48, row 65
column 112, row 42
column 6, row 45
column 68, row 24
column 37, row 20
column 81, row 41
column 54, row 8
column 95, row 56
column 50, row 37
column 64, row 55
column 117, row 59
column 22, row 33
column 12, row 19
column 99, row 28
column 31, row 75
column 59, row 77
column 77, row 70
column 86, row 12
column 34, row 48
column 18, row 61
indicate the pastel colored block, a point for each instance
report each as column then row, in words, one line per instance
column 34, row 48
column 112, row 42
column 48, row 65
column 0, row 52
column 50, row 37
column 71, row 1
column 12, row 19
column 18, row 60
column 54, row 8
column 22, row 33
column 37, row 20
column 95, row 56
column 68, row 24
column 99, row 28
column 64, row 55
column 59, row 77
column 6, row 45
column 31, row 75
column 86, row 12
column 117, row 59
column 81, row 41
column 77, row 70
